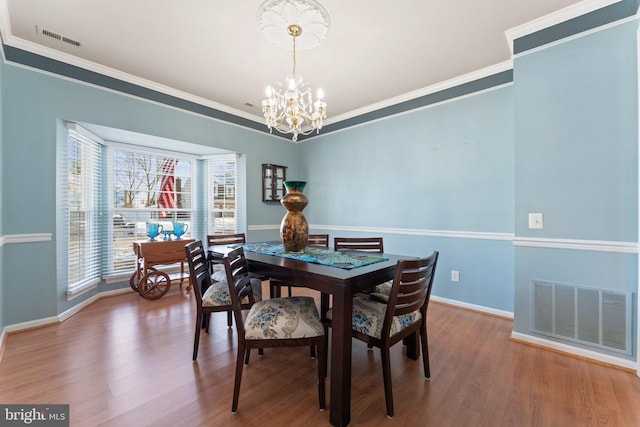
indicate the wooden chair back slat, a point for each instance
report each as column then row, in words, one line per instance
column 362, row 244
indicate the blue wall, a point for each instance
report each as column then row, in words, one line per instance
column 459, row 177
column 448, row 167
column 34, row 103
column 576, row 161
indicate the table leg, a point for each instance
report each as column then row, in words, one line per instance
column 340, row 407
column 324, row 306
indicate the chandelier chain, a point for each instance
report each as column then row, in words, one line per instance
column 294, row 55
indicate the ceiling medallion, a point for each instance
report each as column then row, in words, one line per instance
column 275, row 16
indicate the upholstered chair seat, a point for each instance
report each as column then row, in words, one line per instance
column 383, row 288
column 218, row 293
column 283, row 318
column 368, row 317
column 219, row 276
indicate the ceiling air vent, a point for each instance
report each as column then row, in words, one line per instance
column 57, row 36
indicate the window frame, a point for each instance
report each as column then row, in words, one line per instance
column 104, row 195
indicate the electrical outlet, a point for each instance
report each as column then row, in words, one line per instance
column 455, row 276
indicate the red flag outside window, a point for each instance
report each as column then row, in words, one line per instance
column 167, row 197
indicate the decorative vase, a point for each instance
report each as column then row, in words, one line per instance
column 294, row 229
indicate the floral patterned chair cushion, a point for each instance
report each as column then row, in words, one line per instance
column 218, row 293
column 368, row 316
column 278, row 318
column 219, row 276
column 383, row 288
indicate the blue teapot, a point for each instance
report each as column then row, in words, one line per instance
column 179, row 228
column 153, row 229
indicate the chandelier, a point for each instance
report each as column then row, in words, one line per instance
column 289, row 107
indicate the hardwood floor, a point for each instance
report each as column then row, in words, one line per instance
column 126, row 361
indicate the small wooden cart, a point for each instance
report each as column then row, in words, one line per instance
column 149, row 282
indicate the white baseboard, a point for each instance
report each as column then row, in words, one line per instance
column 18, row 327
column 542, row 342
column 78, row 307
column 474, row 307
column 576, row 351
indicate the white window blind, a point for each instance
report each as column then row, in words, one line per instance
column 223, row 205
column 80, row 174
column 107, row 193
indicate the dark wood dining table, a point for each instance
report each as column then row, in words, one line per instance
column 341, row 284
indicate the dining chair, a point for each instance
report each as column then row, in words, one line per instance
column 222, row 239
column 210, row 296
column 277, row 322
column 319, row 240
column 383, row 322
column 363, row 244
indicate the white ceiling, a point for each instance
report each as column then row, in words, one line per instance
column 212, row 51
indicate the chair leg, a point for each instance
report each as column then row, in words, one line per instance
column 246, row 356
column 229, row 318
column 322, row 373
column 289, row 290
column 206, row 319
column 425, row 350
column 312, row 351
column 326, row 347
column 238, row 379
column 386, row 375
column 196, row 339
column 274, row 290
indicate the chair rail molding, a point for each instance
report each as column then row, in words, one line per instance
column 576, row 244
column 25, row 238
column 401, row 231
column 531, row 242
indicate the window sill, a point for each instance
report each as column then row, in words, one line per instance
column 78, row 290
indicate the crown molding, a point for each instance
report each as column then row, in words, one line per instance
column 546, row 21
column 18, row 43
column 555, row 18
column 428, row 90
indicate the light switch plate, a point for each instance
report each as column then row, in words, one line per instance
column 455, row 276
column 536, row 220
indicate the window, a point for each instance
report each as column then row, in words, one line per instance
column 146, row 187
column 108, row 192
column 222, row 199
column 81, row 177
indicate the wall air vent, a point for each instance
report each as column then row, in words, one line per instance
column 51, row 34
column 598, row 318
column 57, row 36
